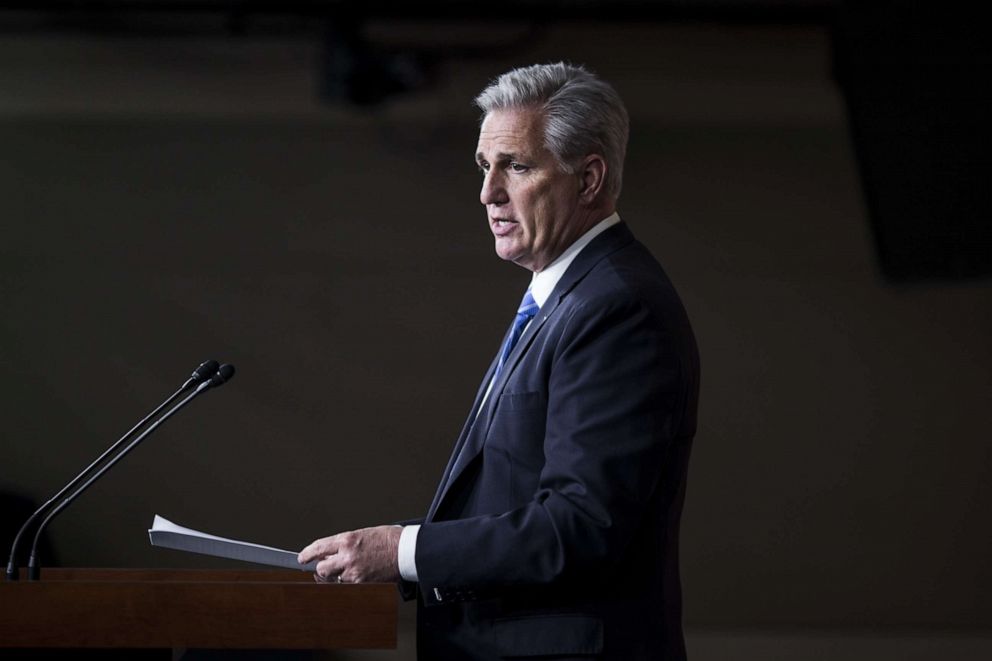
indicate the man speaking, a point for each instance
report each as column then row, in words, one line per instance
column 554, row 530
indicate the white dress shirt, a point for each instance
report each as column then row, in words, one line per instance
column 541, row 286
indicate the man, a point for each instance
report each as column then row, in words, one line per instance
column 554, row 530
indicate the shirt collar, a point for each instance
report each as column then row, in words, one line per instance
column 543, row 282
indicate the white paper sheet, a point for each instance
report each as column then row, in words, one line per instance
column 168, row 535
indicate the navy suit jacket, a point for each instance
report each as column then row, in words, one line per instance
column 555, row 527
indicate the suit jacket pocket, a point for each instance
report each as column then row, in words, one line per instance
column 522, row 401
column 548, row 635
column 517, row 431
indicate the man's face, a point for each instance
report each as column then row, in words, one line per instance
column 532, row 206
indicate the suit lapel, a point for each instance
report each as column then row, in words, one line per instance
column 467, row 428
column 472, row 438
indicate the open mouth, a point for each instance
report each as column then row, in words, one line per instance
column 502, row 226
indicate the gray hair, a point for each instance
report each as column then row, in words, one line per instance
column 582, row 113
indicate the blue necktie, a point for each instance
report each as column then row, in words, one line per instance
column 528, row 308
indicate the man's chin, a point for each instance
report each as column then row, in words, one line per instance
column 519, row 260
column 511, row 252
column 505, row 250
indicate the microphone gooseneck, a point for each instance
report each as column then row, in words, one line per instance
column 207, row 370
column 221, row 376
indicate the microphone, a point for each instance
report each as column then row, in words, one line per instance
column 223, row 374
column 206, row 371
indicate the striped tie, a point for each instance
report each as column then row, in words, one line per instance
column 528, row 308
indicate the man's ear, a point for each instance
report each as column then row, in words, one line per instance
column 593, row 178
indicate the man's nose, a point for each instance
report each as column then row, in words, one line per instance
column 493, row 191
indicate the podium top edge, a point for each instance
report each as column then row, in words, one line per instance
column 138, row 575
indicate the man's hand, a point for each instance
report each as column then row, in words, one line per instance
column 368, row 555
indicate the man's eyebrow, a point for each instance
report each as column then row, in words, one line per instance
column 501, row 157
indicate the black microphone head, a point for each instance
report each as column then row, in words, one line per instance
column 223, row 375
column 206, row 370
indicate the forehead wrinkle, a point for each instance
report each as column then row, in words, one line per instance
column 511, row 135
column 505, row 147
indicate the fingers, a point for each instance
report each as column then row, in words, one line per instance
column 330, row 569
column 357, row 556
column 330, row 565
column 318, row 549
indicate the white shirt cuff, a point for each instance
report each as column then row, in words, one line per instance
column 407, row 553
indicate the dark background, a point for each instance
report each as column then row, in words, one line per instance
column 178, row 187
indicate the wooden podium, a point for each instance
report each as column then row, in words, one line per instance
column 184, row 608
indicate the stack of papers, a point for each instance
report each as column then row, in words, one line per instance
column 168, row 535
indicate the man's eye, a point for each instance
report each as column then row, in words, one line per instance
column 518, row 167
column 483, row 167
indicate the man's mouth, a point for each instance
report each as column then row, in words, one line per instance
column 502, row 226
